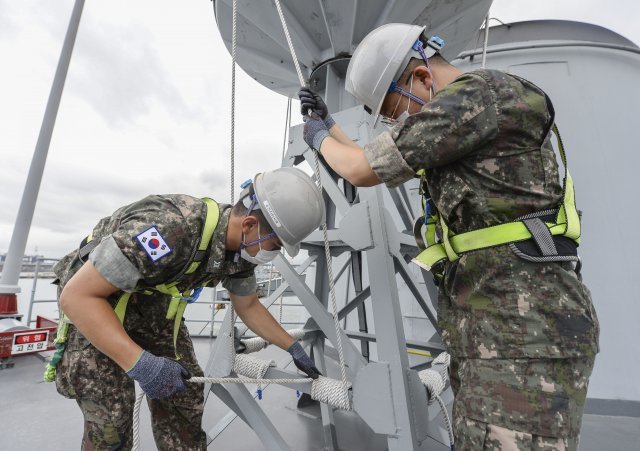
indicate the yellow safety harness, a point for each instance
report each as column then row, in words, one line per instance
column 542, row 228
column 179, row 300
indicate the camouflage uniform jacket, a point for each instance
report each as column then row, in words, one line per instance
column 123, row 261
column 484, row 143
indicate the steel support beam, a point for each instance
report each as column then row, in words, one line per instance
column 387, row 317
column 319, row 313
column 240, row 400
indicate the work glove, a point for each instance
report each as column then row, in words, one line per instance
column 315, row 131
column 239, row 345
column 159, row 377
column 303, row 361
column 312, row 102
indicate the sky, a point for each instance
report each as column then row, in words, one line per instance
column 146, row 106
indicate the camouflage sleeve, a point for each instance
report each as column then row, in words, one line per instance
column 112, row 264
column 386, row 161
column 154, row 236
column 459, row 119
column 242, row 283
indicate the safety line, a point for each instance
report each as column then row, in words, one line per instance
column 233, row 95
column 325, row 236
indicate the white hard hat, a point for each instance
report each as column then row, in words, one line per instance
column 291, row 203
column 380, row 59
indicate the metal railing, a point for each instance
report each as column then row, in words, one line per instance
column 208, row 322
column 32, row 298
column 215, row 302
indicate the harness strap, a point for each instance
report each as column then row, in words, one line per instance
column 530, row 227
column 210, row 223
column 121, row 306
column 86, row 246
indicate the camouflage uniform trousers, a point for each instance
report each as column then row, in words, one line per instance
column 519, row 404
column 106, row 395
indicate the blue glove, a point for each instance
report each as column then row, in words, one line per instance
column 159, row 377
column 315, row 131
column 312, row 102
column 303, row 361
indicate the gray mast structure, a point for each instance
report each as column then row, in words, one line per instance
column 370, row 229
column 11, row 271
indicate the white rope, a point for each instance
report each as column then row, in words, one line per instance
column 233, row 95
column 323, row 389
column 251, row 367
column 136, row 420
column 325, row 236
column 332, row 288
column 435, row 382
column 332, row 392
column 288, row 37
column 253, row 345
column 256, row 344
column 447, row 421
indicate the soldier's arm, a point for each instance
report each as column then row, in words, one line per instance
column 348, row 160
column 260, row 321
column 84, row 301
column 338, row 134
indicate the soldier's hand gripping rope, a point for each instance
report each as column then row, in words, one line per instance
column 159, row 377
column 310, row 102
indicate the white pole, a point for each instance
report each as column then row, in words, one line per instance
column 13, row 263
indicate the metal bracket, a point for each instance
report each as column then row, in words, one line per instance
column 372, row 398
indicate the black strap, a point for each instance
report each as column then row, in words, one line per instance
column 85, row 248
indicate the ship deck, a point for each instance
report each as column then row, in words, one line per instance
column 34, row 416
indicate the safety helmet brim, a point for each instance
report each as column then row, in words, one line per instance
column 292, row 249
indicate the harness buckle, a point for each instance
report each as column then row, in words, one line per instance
column 578, row 268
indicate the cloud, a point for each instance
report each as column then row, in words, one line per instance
column 146, row 106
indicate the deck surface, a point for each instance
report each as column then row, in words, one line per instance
column 34, row 417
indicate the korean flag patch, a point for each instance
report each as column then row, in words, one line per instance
column 153, row 243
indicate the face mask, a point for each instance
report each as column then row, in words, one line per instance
column 403, row 116
column 263, row 256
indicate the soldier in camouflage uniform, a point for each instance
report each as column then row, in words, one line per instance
column 522, row 335
column 103, row 356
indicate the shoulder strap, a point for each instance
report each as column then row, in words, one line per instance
column 210, row 224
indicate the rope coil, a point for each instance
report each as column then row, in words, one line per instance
column 332, row 392
column 256, row 344
column 435, row 380
column 251, row 367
